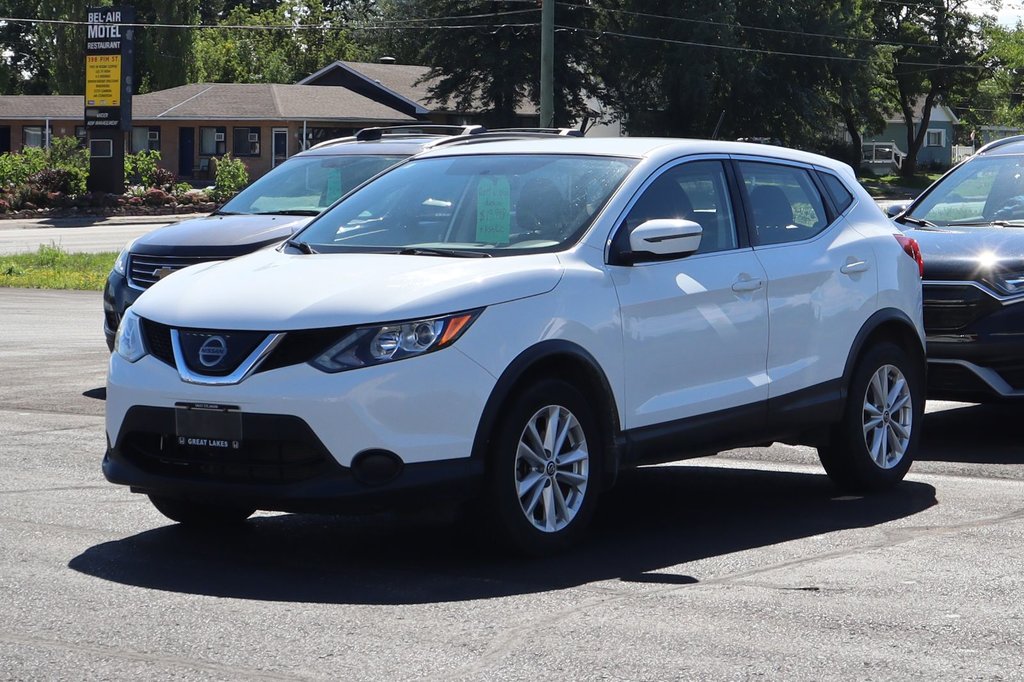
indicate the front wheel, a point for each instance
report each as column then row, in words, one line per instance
column 873, row 446
column 547, row 461
column 200, row 514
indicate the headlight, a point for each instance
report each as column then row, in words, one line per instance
column 128, row 342
column 1009, row 283
column 121, row 264
column 374, row 345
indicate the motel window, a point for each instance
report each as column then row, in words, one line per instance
column 145, row 138
column 245, row 141
column 213, row 141
column 34, row 136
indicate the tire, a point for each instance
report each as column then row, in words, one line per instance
column 542, row 486
column 200, row 514
column 873, row 446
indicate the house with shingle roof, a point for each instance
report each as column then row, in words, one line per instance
column 406, row 88
column 261, row 124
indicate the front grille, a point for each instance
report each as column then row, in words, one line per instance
column 158, row 340
column 257, row 461
column 144, row 270
column 953, row 308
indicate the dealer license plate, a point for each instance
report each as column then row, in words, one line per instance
column 203, row 425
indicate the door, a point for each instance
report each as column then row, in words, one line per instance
column 5, row 139
column 695, row 329
column 822, row 281
column 186, row 151
column 280, row 146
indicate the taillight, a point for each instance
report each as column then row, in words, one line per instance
column 912, row 249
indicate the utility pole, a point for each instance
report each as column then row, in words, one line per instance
column 547, row 64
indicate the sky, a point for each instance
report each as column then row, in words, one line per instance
column 1011, row 12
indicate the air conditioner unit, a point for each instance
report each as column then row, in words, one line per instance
column 254, row 137
column 154, row 135
column 218, row 137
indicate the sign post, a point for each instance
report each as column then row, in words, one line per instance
column 108, row 94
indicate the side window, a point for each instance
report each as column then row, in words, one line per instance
column 785, row 202
column 695, row 191
column 841, row 196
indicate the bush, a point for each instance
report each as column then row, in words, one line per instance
column 64, row 157
column 53, row 180
column 232, row 176
column 142, row 168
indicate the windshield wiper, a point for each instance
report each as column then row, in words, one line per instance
column 304, row 247
column 290, row 211
column 920, row 222
column 996, row 223
column 451, row 253
column 229, row 213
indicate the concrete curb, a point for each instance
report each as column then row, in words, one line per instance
column 91, row 221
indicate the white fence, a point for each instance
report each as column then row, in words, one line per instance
column 961, row 152
column 882, row 154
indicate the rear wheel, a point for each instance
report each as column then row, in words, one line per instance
column 200, row 514
column 873, row 446
column 543, row 480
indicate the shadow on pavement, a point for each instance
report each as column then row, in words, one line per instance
column 654, row 519
column 973, row 434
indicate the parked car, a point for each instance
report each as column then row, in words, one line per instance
column 970, row 225
column 514, row 322
column 266, row 212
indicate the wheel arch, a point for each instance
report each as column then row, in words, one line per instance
column 889, row 324
column 556, row 359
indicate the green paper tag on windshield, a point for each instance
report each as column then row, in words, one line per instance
column 493, row 211
column 333, row 191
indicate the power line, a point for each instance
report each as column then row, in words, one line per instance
column 382, row 23
column 743, row 27
column 736, row 48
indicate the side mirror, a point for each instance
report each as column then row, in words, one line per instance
column 663, row 239
column 893, row 210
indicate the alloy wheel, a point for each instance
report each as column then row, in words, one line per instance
column 552, row 467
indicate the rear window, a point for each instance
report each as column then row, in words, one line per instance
column 837, row 191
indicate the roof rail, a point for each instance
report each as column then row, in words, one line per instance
column 995, row 144
column 504, row 135
column 402, row 131
column 565, row 132
column 426, row 129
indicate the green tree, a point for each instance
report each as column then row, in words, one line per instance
column 272, row 55
column 938, row 56
column 492, row 64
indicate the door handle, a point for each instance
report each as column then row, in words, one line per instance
column 854, row 266
column 741, row 285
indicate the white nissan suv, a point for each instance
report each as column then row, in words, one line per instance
column 513, row 322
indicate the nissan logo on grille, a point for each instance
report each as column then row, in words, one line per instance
column 213, row 351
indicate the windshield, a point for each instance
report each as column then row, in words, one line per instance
column 477, row 205
column 306, row 185
column 980, row 192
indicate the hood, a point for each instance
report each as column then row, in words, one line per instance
column 273, row 291
column 226, row 235
column 965, row 252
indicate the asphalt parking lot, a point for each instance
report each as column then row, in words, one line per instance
column 748, row 565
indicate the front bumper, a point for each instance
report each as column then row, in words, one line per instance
column 975, row 343
column 284, row 467
column 302, row 429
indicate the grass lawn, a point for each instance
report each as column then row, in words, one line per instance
column 897, row 186
column 53, row 268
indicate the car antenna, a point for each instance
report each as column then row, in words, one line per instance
column 714, row 135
